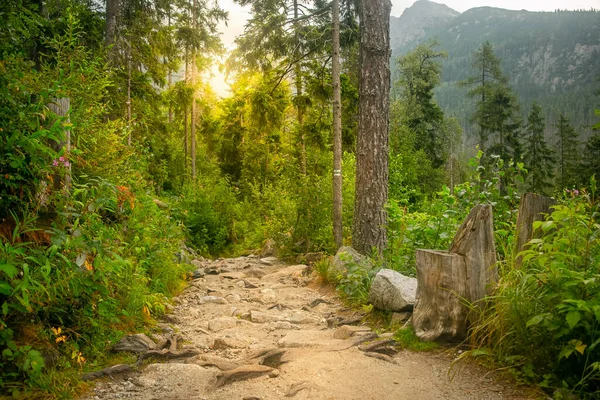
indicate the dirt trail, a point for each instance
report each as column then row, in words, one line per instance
column 265, row 330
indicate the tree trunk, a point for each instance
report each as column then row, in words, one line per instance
column 369, row 230
column 337, row 129
column 193, row 115
column 532, row 208
column 447, row 280
column 113, row 10
column 299, row 92
column 185, row 119
column 475, row 241
column 439, row 314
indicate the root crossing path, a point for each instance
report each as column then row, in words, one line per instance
column 259, row 329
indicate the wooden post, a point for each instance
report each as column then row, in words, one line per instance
column 533, row 207
column 447, row 280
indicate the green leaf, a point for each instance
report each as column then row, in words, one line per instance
column 5, row 288
column 535, row 320
column 573, row 318
column 9, row 270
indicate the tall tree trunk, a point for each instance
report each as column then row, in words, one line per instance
column 168, row 59
column 113, row 10
column 185, row 119
column 193, row 115
column 299, row 91
column 129, row 94
column 372, row 147
column 337, row 129
column 61, row 107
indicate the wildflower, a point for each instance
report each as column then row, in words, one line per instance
column 61, row 159
column 67, row 164
column 55, row 163
column 576, row 192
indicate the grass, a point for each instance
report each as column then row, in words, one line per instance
column 407, row 338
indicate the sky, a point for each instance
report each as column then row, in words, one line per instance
column 239, row 15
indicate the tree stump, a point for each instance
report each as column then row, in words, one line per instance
column 447, row 280
column 438, row 314
column 533, row 207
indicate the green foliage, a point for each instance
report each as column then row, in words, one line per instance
column 407, row 339
column 543, row 319
column 538, row 157
column 567, row 153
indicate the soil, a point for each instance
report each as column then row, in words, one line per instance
column 259, row 329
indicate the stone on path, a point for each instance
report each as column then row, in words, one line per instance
column 137, row 343
column 393, row 291
column 219, row 324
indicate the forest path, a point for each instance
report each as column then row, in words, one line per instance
column 265, row 330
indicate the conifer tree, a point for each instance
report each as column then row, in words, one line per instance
column 567, row 144
column 538, row 157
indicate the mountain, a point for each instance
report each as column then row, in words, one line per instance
column 550, row 57
column 416, row 20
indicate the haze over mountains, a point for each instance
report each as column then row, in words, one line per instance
column 551, row 57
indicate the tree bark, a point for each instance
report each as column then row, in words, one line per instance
column 532, row 208
column 337, row 129
column 447, row 280
column 113, row 10
column 475, row 241
column 299, row 91
column 193, row 114
column 439, row 314
column 369, row 230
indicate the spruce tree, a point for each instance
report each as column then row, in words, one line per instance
column 538, row 157
column 567, row 144
column 591, row 158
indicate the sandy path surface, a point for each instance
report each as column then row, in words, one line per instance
column 259, row 329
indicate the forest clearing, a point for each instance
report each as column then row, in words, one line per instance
column 374, row 207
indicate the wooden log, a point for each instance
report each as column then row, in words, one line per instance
column 447, row 280
column 439, row 314
column 533, row 207
column 475, row 241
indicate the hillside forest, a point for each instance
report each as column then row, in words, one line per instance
column 117, row 159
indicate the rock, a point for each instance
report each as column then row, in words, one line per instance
column 310, row 258
column 268, row 260
column 274, row 373
column 110, row 371
column 197, row 274
column 400, row 317
column 393, row 291
column 212, row 270
column 242, row 373
column 138, row 343
column 251, row 398
column 259, row 317
column 380, row 356
column 268, row 249
column 219, row 324
column 228, row 343
column 348, row 258
column 198, row 264
column 213, row 299
column 283, row 325
column 255, row 273
column 347, row 331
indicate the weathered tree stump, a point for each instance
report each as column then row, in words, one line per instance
column 438, row 314
column 447, row 280
column 533, row 207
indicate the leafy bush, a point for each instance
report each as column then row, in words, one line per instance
column 543, row 320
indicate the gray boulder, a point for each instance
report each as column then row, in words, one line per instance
column 138, row 343
column 347, row 258
column 393, row 291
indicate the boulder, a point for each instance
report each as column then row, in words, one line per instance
column 138, row 343
column 393, row 291
column 219, row 324
column 347, row 258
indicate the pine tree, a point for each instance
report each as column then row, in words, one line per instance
column 591, row 158
column 370, row 217
column 538, row 157
column 567, row 143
